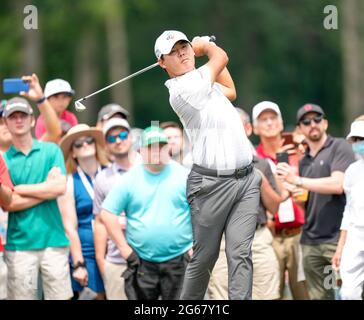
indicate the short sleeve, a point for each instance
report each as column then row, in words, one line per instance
column 343, row 157
column 193, row 88
column 116, row 200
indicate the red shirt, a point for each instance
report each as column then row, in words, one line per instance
column 298, row 212
column 4, row 179
column 66, row 116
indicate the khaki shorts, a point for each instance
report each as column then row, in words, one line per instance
column 3, row 278
column 266, row 276
column 113, row 281
column 24, row 267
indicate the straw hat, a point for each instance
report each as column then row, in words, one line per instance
column 78, row 131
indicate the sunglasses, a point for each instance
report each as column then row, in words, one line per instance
column 307, row 121
column 123, row 135
column 80, row 142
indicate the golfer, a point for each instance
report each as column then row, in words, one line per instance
column 222, row 188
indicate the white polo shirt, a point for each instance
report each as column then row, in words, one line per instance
column 211, row 122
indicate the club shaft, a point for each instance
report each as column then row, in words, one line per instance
column 121, row 80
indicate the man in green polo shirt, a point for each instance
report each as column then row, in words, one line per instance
column 36, row 241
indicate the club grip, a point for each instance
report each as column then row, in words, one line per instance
column 212, row 38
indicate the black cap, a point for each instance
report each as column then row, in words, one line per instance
column 111, row 109
column 307, row 108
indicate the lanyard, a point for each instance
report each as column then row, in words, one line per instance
column 86, row 183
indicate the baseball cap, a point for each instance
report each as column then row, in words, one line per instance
column 151, row 135
column 114, row 123
column 356, row 130
column 166, row 41
column 17, row 104
column 262, row 106
column 107, row 111
column 57, row 86
column 309, row 107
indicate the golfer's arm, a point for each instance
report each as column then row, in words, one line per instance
column 51, row 122
column 226, row 84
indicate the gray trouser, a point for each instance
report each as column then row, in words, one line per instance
column 221, row 204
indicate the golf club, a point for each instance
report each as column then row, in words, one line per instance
column 81, row 107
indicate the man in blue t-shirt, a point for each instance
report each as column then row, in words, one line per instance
column 159, row 230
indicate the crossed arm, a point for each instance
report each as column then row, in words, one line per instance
column 28, row 195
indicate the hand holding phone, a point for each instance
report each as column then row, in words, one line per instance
column 282, row 157
column 35, row 91
column 15, row 85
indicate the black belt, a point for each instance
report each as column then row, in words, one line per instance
column 236, row 173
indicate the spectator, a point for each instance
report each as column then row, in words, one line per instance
column 59, row 94
column 5, row 136
column 176, row 142
column 36, row 241
column 84, row 156
column 158, row 232
column 266, row 277
column 268, row 125
column 109, row 260
column 6, row 187
column 222, row 179
column 321, row 172
column 109, row 111
column 349, row 255
column 52, row 128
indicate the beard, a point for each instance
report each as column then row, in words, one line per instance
column 315, row 135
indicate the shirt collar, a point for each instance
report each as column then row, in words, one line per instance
column 328, row 143
column 35, row 146
column 261, row 153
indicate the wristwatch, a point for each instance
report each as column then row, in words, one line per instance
column 41, row 100
column 79, row 264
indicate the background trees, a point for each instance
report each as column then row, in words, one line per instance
column 279, row 50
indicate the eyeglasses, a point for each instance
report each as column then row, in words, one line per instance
column 307, row 121
column 123, row 135
column 80, row 142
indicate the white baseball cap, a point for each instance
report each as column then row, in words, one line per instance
column 57, row 86
column 356, row 130
column 166, row 41
column 115, row 123
column 262, row 106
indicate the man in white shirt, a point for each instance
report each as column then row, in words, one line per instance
column 223, row 187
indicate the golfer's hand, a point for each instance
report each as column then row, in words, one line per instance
column 199, row 45
column 35, row 90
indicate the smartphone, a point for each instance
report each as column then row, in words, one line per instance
column 15, row 85
column 282, row 157
column 288, row 138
